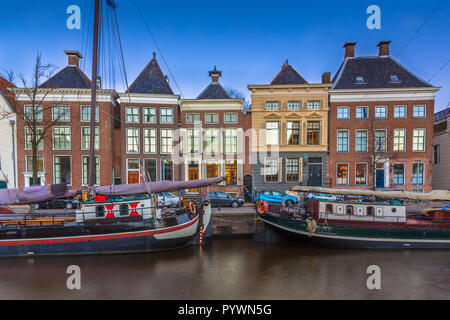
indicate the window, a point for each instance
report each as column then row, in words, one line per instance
column 293, row 105
column 361, row 141
column 231, row 172
column 149, row 115
column 271, row 105
column 419, row 140
column 350, row 210
column 379, row 141
column 86, row 138
column 166, row 140
column 61, row 113
column 362, row 112
column 40, row 163
column 149, row 140
column 313, row 105
column 359, row 80
column 99, row 211
column 293, row 132
column 150, row 169
column 398, row 177
column 361, row 174
column 192, row 118
column 123, row 209
column 132, row 114
column 419, row 112
column 86, row 113
column 343, row 113
column 399, row 140
column 212, row 118
column 132, row 140
column 342, row 174
column 399, row 111
column 230, row 140
column 28, row 112
column 61, row 166
column 85, row 170
column 193, row 140
column 212, row 169
column 211, row 141
column 166, row 170
column 394, row 78
column 231, row 118
column 313, row 132
column 437, row 154
column 292, row 170
column 272, row 133
column 418, row 173
column 29, row 138
column 166, row 115
column 271, row 170
column 61, row 138
column 342, row 141
column 381, row 113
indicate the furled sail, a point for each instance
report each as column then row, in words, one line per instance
column 35, row 194
column 155, row 187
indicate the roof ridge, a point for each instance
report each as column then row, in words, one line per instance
column 284, row 69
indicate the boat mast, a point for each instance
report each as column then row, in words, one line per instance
column 91, row 165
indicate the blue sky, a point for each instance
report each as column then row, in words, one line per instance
column 247, row 40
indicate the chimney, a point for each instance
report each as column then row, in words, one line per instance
column 349, row 49
column 73, row 57
column 326, row 77
column 215, row 75
column 154, row 55
column 384, row 48
column 99, row 82
column 166, row 78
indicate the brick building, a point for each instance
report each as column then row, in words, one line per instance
column 212, row 137
column 63, row 115
column 381, row 124
column 290, row 131
column 150, row 123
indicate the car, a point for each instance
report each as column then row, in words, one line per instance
column 167, row 199
column 276, row 197
column 321, row 196
column 58, row 204
column 223, row 199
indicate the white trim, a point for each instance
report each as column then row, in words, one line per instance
column 89, row 136
column 156, row 141
column 161, row 139
column 149, row 98
column 348, row 141
column 53, row 138
column 132, row 115
column 384, row 95
column 138, row 140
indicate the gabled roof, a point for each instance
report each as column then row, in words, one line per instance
column 214, row 91
column 288, row 75
column 9, row 96
column 69, row 77
column 376, row 73
column 151, row 80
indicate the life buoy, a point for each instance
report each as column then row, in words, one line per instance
column 192, row 208
column 262, row 207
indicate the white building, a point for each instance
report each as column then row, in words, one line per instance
column 8, row 149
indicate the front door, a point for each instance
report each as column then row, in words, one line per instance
column 193, row 175
column 248, row 188
column 315, row 175
column 380, row 179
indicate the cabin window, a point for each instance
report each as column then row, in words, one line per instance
column 394, row 210
column 370, row 211
column 124, row 210
column 350, row 210
column 99, row 211
column 329, row 208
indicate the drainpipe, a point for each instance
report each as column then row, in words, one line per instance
column 12, row 123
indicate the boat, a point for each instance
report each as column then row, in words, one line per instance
column 353, row 219
column 106, row 224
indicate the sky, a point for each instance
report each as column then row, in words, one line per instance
column 247, row 40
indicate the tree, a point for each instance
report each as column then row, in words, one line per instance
column 236, row 94
column 32, row 113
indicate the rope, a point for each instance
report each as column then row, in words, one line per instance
column 311, row 226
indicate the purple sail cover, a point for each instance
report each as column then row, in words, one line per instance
column 34, row 194
column 155, row 187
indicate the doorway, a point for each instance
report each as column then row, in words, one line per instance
column 193, row 174
column 315, row 175
column 248, row 185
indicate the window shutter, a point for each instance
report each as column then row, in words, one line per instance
column 280, row 169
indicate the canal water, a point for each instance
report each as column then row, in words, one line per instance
column 232, row 269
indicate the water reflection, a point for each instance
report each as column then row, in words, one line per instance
column 232, row 269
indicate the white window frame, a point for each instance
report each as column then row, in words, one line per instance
column 150, row 138
column 386, row 112
column 366, row 176
column 161, row 115
column 143, row 114
column 98, row 135
column 58, row 106
column 406, row 111
column 404, row 139
column 132, row 115
column 424, row 111
column 341, row 108
column 356, row 140
column 424, row 140
column 138, row 140
column 232, row 114
column 348, row 140
column 82, row 170
column 54, row 168
column 53, row 138
column 161, row 141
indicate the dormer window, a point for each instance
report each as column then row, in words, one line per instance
column 394, row 78
column 359, row 80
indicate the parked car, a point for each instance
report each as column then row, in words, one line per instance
column 321, row 196
column 223, row 199
column 58, row 204
column 276, row 196
column 167, row 199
